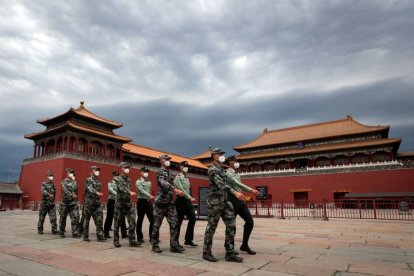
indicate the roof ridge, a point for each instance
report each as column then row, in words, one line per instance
column 82, row 107
column 161, row 151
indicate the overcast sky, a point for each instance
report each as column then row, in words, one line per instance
column 182, row 75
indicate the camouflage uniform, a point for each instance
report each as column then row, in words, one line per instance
column 123, row 207
column 218, row 206
column 164, row 207
column 92, row 207
column 47, row 206
column 69, row 205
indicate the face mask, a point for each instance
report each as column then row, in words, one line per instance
column 71, row 175
column 126, row 171
column 50, row 178
column 96, row 173
column 146, row 175
column 222, row 159
column 236, row 165
column 185, row 169
column 167, row 163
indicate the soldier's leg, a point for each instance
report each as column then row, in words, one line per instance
column 42, row 216
column 82, row 219
column 245, row 214
column 158, row 217
column 180, row 214
column 117, row 216
column 62, row 219
column 131, row 217
column 110, row 206
column 141, row 213
column 172, row 220
column 190, row 213
column 213, row 217
column 98, row 219
column 149, row 211
column 86, row 219
column 52, row 218
column 122, row 223
column 74, row 219
column 229, row 220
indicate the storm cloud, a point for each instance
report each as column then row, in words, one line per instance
column 185, row 75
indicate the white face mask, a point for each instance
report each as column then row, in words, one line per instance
column 167, row 163
column 185, row 169
column 236, row 165
column 222, row 159
column 126, row 171
column 50, row 178
column 71, row 175
column 145, row 174
column 96, row 173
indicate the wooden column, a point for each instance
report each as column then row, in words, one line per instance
column 55, row 146
column 76, row 145
column 104, row 155
column 68, row 143
column 34, row 150
column 44, row 149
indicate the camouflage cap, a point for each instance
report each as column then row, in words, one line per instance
column 144, row 169
column 69, row 170
column 184, row 163
column 115, row 173
column 124, row 165
column 164, row 156
column 232, row 158
column 95, row 168
column 49, row 173
column 217, row 151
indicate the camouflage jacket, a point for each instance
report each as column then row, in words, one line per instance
column 165, row 187
column 123, row 187
column 48, row 189
column 218, row 186
column 69, row 188
column 93, row 185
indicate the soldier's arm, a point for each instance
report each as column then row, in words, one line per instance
column 163, row 181
column 111, row 189
column 65, row 189
column 178, row 183
column 43, row 189
column 232, row 178
column 90, row 187
column 220, row 182
column 120, row 187
column 141, row 189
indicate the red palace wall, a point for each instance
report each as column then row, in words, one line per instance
column 32, row 175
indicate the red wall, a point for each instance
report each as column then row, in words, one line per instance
column 32, row 175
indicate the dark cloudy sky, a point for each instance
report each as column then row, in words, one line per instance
column 182, row 75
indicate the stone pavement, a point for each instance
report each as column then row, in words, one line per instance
column 285, row 247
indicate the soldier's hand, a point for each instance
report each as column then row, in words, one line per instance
column 239, row 196
column 255, row 192
column 151, row 197
column 179, row 192
column 75, row 196
column 193, row 200
column 51, row 196
column 132, row 193
column 99, row 194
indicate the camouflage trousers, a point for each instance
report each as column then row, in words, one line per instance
column 82, row 219
column 226, row 212
column 47, row 208
column 73, row 211
column 124, row 209
column 95, row 211
column 168, row 211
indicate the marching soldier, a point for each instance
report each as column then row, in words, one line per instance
column 110, row 206
column 239, row 206
column 123, row 206
column 93, row 194
column 184, row 204
column 144, row 204
column 164, row 207
column 69, row 204
column 219, row 206
column 47, row 206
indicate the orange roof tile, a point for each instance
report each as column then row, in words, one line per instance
column 405, row 154
column 154, row 153
column 321, row 148
column 83, row 112
column 337, row 128
column 204, row 155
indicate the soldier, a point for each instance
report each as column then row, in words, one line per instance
column 110, row 206
column 92, row 205
column 239, row 206
column 69, row 204
column 123, row 206
column 47, row 206
column 218, row 206
column 164, row 207
column 184, row 204
column 144, row 204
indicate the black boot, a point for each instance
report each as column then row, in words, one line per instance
column 176, row 249
column 209, row 257
column 247, row 249
column 233, row 258
column 156, row 249
column 40, row 231
column 190, row 243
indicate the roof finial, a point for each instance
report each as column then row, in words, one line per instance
column 82, row 102
column 265, row 130
column 209, row 147
column 349, row 116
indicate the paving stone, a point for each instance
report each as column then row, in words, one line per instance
column 25, row 267
column 302, row 269
column 221, row 267
column 378, row 269
column 265, row 273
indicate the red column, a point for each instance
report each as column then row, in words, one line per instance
column 370, row 157
column 34, row 150
column 87, row 147
column 44, row 149
column 104, row 154
column 55, row 146
column 68, row 144
column 121, row 155
column 350, row 159
column 391, row 155
column 76, row 146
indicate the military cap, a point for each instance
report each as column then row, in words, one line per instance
column 124, row 165
column 49, row 173
column 217, row 151
column 115, row 173
column 164, row 156
column 144, row 169
column 70, row 170
column 96, row 168
column 231, row 158
column 184, row 163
